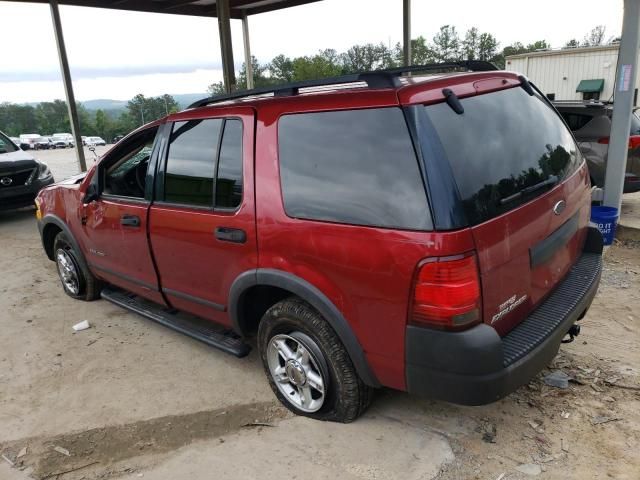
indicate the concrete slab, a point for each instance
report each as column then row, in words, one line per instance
column 629, row 223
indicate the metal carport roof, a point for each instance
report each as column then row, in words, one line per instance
column 200, row 8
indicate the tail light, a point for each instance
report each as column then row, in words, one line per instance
column 634, row 141
column 446, row 293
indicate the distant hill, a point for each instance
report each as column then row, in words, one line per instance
column 114, row 106
column 183, row 99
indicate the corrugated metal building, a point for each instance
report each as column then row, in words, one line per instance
column 571, row 73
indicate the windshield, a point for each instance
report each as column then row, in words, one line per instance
column 506, row 149
column 6, row 145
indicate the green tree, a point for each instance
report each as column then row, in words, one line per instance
column 446, row 44
column 471, row 44
column 281, row 69
column 595, row 37
column 487, row 47
column 421, row 52
column 573, row 43
column 364, row 58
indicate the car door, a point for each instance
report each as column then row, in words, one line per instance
column 202, row 221
column 115, row 224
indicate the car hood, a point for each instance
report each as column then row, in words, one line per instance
column 73, row 180
column 16, row 160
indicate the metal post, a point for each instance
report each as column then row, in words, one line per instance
column 247, row 49
column 406, row 32
column 623, row 104
column 68, row 86
column 224, row 28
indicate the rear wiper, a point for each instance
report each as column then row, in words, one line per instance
column 552, row 180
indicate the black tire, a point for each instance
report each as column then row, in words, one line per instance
column 346, row 397
column 88, row 286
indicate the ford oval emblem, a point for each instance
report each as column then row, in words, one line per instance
column 559, row 207
column 6, row 181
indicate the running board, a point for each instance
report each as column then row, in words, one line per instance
column 192, row 326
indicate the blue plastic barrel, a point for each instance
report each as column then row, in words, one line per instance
column 606, row 219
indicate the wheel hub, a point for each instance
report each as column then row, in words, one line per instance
column 296, row 373
column 67, row 270
column 295, row 370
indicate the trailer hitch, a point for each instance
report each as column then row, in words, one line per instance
column 573, row 332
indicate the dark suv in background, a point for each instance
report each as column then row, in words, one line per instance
column 590, row 123
column 425, row 233
column 21, row 175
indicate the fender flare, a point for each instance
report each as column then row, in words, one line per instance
column 49, row 219
column 311, row 295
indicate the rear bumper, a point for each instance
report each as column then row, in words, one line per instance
column 22, row 196
column 477, row 366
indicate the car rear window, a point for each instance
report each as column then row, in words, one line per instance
column 506, row 149
column 354, row 166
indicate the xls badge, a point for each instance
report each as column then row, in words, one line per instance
column 507, row 307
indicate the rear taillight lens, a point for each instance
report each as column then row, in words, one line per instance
column 447, row 293
column 634, row 141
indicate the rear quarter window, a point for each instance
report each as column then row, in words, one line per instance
column 506, row 149
column 354, row 167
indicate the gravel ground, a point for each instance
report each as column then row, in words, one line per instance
column 128, row 398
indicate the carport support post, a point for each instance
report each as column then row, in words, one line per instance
column 247, row 50
column 68, row 86
column 406, row 32
column 224, row 28
column 623, row 104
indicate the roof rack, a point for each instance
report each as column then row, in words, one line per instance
column 387, row 78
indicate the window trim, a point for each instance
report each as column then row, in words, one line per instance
column 163, row 159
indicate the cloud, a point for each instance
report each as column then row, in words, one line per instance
column 113, row 71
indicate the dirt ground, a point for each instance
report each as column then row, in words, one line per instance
column 129, row 399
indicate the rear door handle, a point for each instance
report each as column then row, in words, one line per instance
column 130, row 220
column 234, row 235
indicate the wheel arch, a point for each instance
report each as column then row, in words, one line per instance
column 283, row 284
column 49, row 227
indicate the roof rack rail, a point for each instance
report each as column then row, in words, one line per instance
column 374, row 79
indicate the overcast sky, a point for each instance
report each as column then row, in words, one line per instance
column 116, row 54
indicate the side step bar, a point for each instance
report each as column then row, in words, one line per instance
column 194, row 327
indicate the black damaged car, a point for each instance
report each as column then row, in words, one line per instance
column 21, row 176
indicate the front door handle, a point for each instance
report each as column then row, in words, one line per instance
column 234, row 235
column 130, row 220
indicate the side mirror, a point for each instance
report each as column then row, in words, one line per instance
column 91, row 194
column 92, row 149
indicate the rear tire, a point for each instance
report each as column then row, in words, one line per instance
column 308, row 368
column 77, row 281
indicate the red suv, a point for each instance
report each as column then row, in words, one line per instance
column 425, row 233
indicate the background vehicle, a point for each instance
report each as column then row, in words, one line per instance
column 117, row 138
column 43, row 143
column 63, row 140
column 21, row 176
column 94, row 141
column 357, row 233
column 28, row 140
column 590, row 123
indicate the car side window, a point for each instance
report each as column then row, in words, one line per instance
column 353, row 166
column 190, row 167
column 126, row 171
column 229, row 175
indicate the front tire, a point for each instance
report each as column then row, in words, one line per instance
column 308, row 368
column 77, row 281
